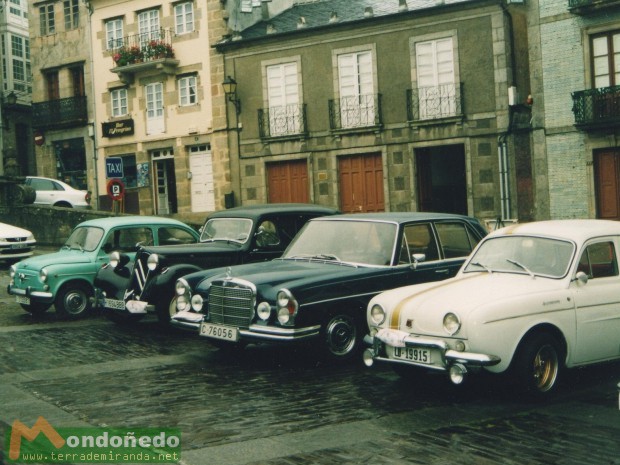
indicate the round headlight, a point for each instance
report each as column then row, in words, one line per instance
column 181, row 287
column 263, row 311
column 285, row 300
column 43, row 275
column 12, row 271
column 451, row 323
column 115, row 259
column 284, row 297
column 182, row 303
column 197, row 303
column 283, row 316
column 377, row 314
column 152, row 262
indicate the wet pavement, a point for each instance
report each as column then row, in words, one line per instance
column 280, row 406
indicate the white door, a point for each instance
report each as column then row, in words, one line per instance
column 357, row 100
column 202, row 186
column 161, row 187
column 283, row 95
column 155, row 123
column 435, row 72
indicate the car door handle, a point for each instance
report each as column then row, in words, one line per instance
column 442, row 271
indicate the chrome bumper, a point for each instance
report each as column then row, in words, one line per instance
column 28, row 292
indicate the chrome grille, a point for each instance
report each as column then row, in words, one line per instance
column 140, row 273
column 231, row 303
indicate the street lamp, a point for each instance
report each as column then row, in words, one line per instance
column 230, row 90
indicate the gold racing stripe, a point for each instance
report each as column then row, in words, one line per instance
column 396, row 313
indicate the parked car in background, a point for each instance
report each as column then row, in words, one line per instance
column 318, row 290
column 65, row 278
column 15, row 243
column 129, row 290
column 532, row 300
column 57, row 193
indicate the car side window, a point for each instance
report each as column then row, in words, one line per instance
column 42, row 184
column 599, row 260
column 418, row 238
column 127, row 240
column 455, row 240
column 173, row 236
column 267, row 234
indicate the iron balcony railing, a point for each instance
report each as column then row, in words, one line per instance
column 64, row 112
column 591, row 6
column 427, row 103
column 358, row 111
column 597, row 107
column 138, row 48
column 282, row 121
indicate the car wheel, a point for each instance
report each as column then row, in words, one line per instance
column 342, row 337
column 36, row 309
column 73, row 300
column 538, row 364
column 63, row 204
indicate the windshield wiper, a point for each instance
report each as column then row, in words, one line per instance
column 486, row 268
column 325, row 256
column 520, row 265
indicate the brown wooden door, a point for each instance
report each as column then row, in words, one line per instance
column 607, row 173
column 361, row 183
column 288, row 182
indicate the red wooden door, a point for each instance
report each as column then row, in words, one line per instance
column 607, row 173
column 361, row 183
column 288, row 182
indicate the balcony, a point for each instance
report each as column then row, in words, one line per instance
column 586, row 7
column 143, row 52
column 434, row 103
column 355, row 112
column 287, row 121
column 597, row 108
column 61, row 113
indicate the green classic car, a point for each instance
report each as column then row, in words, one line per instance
column 65, row 278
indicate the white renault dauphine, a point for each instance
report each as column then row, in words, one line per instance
column 531, row 300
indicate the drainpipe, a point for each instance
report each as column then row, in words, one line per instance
column 504, row 178
column 92, row 125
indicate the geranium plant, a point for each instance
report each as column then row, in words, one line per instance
column 156, row 49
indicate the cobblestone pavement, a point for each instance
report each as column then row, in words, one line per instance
column 279, row 406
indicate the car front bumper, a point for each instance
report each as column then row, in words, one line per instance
column 33, row 294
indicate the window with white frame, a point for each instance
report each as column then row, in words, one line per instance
column 20, row 62
column 438, row 92
column 19, row 10
column 114, row 33
column 148, row 26
column 606, row 59
column 184, row 18
column 356, row 87
column 285, row 112
column 46, row 19
column 118, row 99
column 72, row 14
column 188, row 90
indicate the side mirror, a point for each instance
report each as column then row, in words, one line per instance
column 417, row 258
column 581, row 277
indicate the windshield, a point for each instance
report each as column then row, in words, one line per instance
column 524, row 255
column 226, row 229
column 84, row 238
column 364, row 242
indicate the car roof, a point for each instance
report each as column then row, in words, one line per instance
column 578, row 230
column 255, row 211
column 112, row 221
column 399, row 217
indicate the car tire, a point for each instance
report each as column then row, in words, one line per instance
column 63, row 204
column 538, row 364
column 342, row 336
column 36, row 308
column 73, row 300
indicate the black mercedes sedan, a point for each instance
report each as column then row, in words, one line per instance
column 317, row 292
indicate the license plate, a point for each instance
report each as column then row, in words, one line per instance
column 226, row 333
column 115, row 304
column 412, row 354
column 20, row 299
column 19, row 246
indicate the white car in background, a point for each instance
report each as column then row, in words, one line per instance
column 15, row 243
column 57, row 193
column 531, row 300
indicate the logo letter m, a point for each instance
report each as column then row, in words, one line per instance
column 20, row 430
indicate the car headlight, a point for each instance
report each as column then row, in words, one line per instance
column 181, row 287
column 377, row 314
column 263, row 311
column 183, row 303
column 115, row 259
column 152, row 262
column 12, row 271
column 43, row 275
column 197, row 303
column 286, row 305
column 451, row 323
